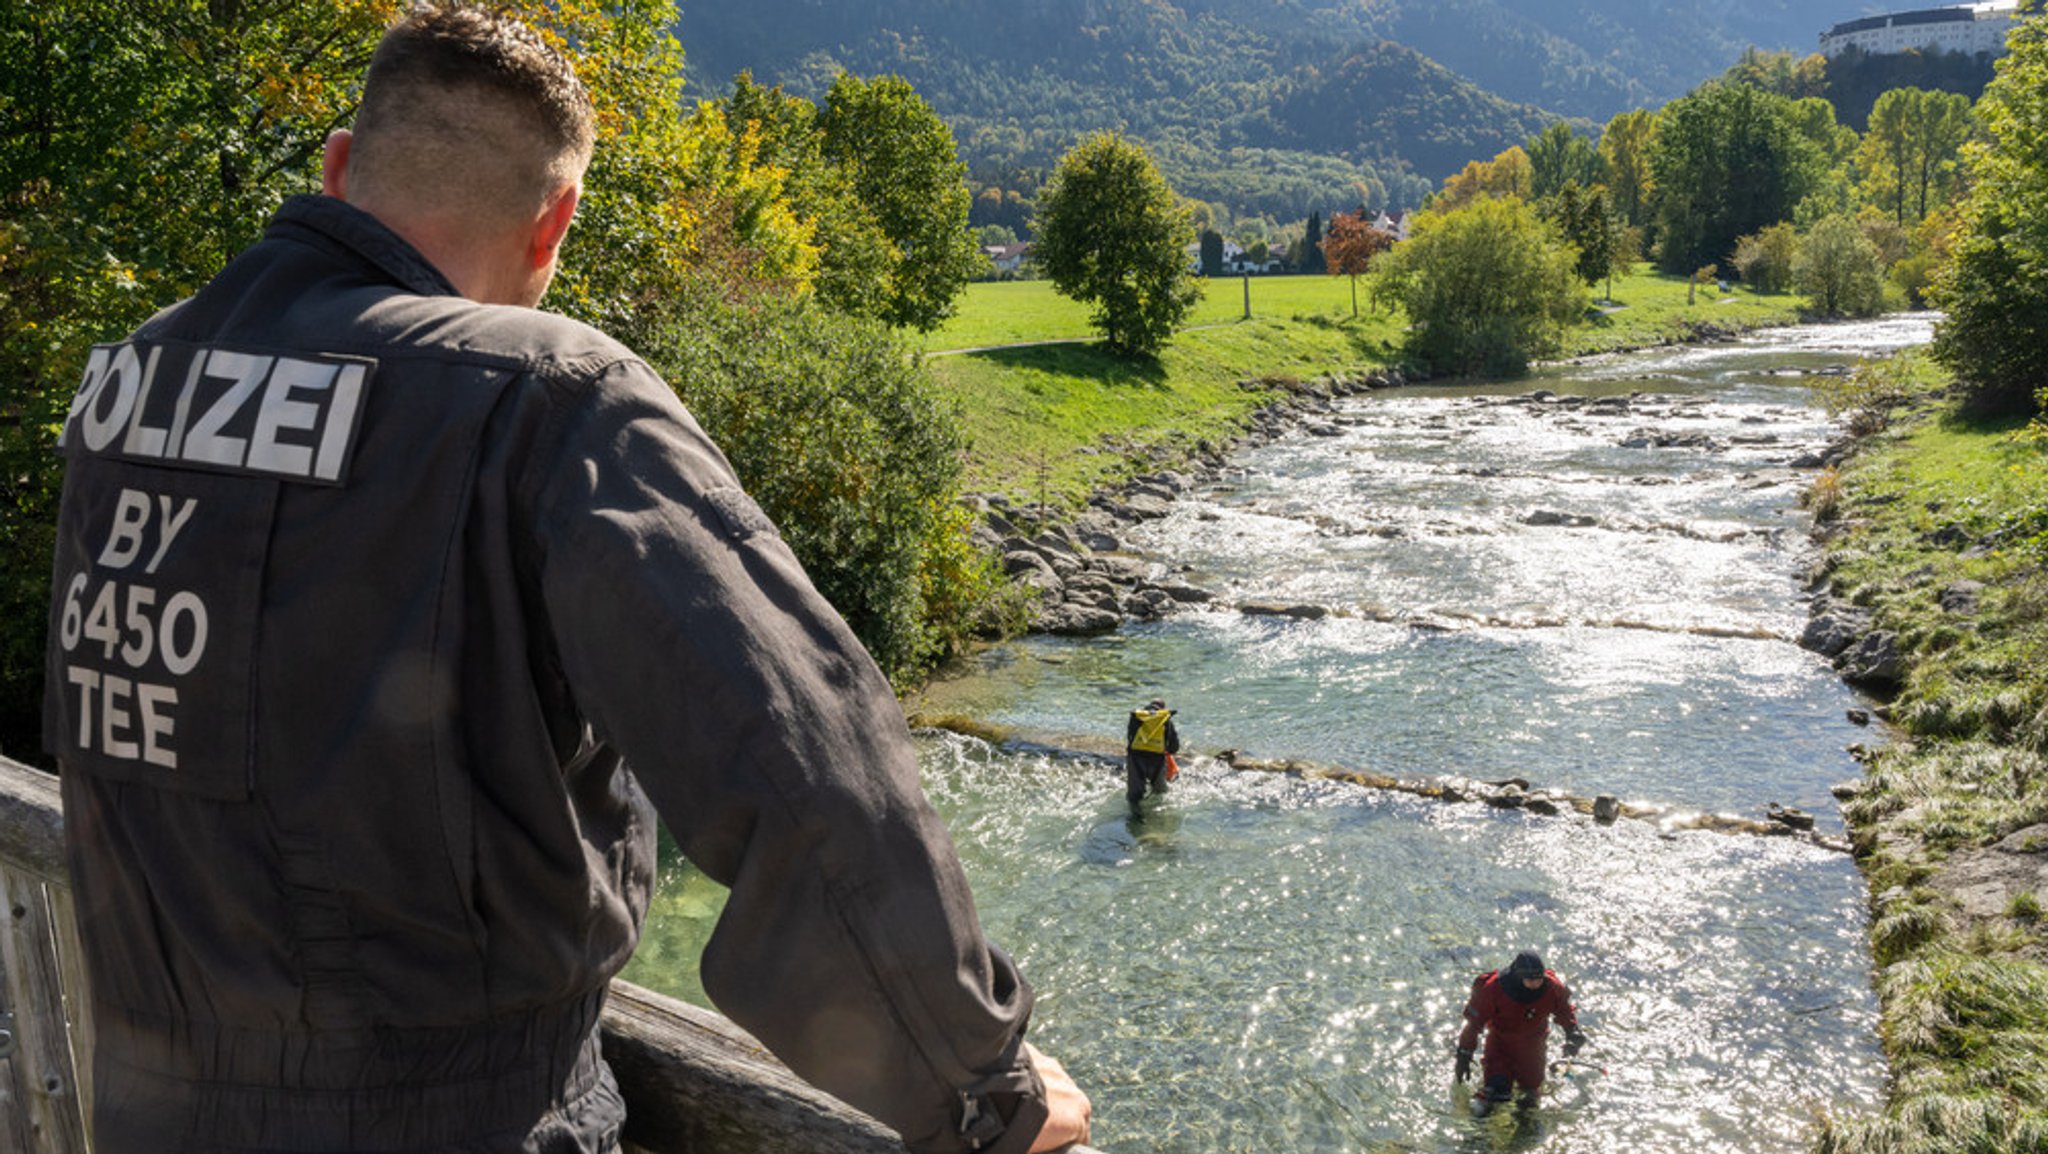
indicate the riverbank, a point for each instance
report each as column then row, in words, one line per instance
column 1052, row 424
column 1936, row 532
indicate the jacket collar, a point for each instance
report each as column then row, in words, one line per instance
column 335, row 223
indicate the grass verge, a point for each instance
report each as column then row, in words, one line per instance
column 1940, row 530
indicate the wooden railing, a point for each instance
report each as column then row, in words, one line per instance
column 694, row 1083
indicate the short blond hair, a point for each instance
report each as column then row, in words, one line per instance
column 468, row 110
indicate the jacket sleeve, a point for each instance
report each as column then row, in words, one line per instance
column 1131, row 730
column 1565, row 1013
column 1475, row 1017
column 776, row 754
column 1172, row 737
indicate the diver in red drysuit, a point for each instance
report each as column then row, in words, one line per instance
column 1515, row 1007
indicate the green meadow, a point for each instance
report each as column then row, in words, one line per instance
column 1051, row 416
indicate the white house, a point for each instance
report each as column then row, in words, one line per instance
column 1971, row 29
column 1007, row 257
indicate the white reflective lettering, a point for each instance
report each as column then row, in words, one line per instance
column 143, row 440
column 124, row 537
column 341, row 422
column 208, row 442
column 181, row 633
column 156, row 704
column 103, row 422
column 280, row 411
column 114, row 719
column 89, row 387
column 88, row 683
column 174, row 520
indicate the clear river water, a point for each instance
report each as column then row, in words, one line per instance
column 1598, row 596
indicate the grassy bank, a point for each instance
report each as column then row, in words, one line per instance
column 1940, row 530
column 1053, row 421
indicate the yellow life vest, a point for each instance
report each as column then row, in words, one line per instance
column 1151, row 735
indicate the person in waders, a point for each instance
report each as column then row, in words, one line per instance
column 1149, row 741
column 1514, row 1008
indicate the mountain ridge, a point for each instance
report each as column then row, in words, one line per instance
column 1262, row 107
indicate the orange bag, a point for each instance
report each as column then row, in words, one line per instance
column 1172, row 768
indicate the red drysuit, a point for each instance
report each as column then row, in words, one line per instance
column 1516, row 1031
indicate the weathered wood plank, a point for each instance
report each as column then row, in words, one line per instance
column 45, row 1079
column 694, row 1083
column 31, row 821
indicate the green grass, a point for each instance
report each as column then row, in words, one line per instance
column 1931, row 501
column 1053, row 421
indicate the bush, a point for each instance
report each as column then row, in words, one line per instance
column 1486, row 286
column 837, row 431
column 1838, row 269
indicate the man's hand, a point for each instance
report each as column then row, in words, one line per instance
column 1463, row 1069
column 1574, row 1041
column 1068, row 1123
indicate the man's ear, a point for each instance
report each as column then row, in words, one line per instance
column 553, row 225
column 334, row 163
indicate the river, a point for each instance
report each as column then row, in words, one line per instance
column 1589, row 579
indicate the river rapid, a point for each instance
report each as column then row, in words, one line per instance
column 1589, row 579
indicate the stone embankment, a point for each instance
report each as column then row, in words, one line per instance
column 1085, row 582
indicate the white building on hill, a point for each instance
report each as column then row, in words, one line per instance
column 1966, row 28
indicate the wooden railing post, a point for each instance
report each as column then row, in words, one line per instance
column 47, row 1088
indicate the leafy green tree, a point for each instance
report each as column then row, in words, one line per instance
column 1486, row 287
column 1781, row 73
column 1994, row 291
column 1111, row 235
column 1625, row 146
column 1837, row 267
column 1729, row 159
column 1582, row 218
column 908, row 174
column 1764, row 259
column 835, row 427
column 1911, row 157
column 1212, row 252
column 1559, row 156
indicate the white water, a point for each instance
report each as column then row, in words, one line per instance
column 1273, row 964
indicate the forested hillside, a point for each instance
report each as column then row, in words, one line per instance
column 1268, row 107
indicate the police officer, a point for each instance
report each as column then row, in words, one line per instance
column 388, row 614
column 1514, row 1008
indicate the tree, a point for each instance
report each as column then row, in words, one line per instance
column 1559, row 156
column 1911, row 157
column 1625, row 147
column 1764, row 258
column 1994, row 290
column 836, row 428
column 1507, row 174
column 1486, row 287
column 1728, row 160
column 1212, row 252
column 1582, row 218
column 907, row 173
column 1837, row 268
column 1350, row 248
column 1312, row 245
column 1111, row 235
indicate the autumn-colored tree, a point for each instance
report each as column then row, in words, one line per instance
column 1625, row 159
column 1507, row 174
column 1350, row 246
